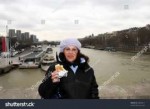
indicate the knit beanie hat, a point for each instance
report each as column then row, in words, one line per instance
column 70, row 41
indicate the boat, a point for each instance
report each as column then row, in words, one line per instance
column 47, row 61
column 37, row 49
column 112, row 49
column 15, row 63
column 49, row 50
column 30, row 62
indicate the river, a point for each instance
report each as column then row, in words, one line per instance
column 117, row 76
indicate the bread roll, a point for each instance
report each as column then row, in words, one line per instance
column 59, row 68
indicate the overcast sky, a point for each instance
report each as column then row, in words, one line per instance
column 59, row 19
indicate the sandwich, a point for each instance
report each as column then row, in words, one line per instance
column 61, row 71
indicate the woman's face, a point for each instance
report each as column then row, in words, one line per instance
column 70, row 53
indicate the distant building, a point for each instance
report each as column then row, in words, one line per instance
column 114, row 33
column 26, row 35
column 11, row 33
column 33, row 38
column 148, row 26
column 37, row 40
column 23, row 37
column 18, row 34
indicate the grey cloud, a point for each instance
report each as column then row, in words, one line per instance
column 59, row 15
column 26, row 25
column 8, row 1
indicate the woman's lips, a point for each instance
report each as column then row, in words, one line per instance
column 70, row 57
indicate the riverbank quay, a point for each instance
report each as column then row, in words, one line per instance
column 6, row 68
column 8, row 64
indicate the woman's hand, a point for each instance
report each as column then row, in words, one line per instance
column 55, row 77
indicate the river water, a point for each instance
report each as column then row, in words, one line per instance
column 117, row 76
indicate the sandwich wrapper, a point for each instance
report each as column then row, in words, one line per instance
column 62, row 73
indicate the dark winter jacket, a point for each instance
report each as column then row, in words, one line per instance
column 79, row 85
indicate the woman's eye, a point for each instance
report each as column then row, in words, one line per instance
column 68, row 49
column 74, row 50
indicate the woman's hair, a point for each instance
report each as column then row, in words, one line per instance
column 79, row 56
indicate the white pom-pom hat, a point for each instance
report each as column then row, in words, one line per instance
column 68, row 42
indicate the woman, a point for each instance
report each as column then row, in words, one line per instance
column 80, row 82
